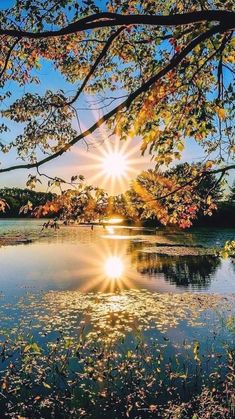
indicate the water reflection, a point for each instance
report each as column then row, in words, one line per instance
column 114, row 267
column 108, row 260
column 104, row 268
column 184, row 271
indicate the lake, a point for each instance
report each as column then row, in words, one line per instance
column 78, row 258
column 104, row 323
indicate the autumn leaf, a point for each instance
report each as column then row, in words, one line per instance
column 221, row 112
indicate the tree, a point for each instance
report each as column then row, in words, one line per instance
column 171, row 199
column 232, row 193
column 172, row 63
column 83, row 204
column 15, row 200
column 208, row 185
column 165, row 197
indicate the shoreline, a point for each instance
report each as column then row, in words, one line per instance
column 154, row 245
column 14, row 240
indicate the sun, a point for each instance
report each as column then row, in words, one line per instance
column 112, row 164
column 106, row 160
column 115, row 164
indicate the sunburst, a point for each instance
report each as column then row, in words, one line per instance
column 112, row 164
column 107, row 267
column 114, row 267
column 115, row 165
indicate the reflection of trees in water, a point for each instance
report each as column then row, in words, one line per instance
column 180, row 270
column 233, row 263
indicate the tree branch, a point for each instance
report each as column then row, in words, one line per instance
column 96, row 63
column 220, row 50
column 176, row 60
column 201, row 175
column 100, row 20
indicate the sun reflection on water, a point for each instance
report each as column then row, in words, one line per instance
column 114, row 267
column 107, row 268
column 110, row 230
column 114, row 220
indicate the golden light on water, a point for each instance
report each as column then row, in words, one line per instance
column 114, row 220
column 107, row 268
column 114, row 267
column 110, row 230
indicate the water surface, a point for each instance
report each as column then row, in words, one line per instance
column 98, row 321
column 110, row 259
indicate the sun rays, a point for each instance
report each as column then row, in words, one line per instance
column 107, row 270
column 106, row 161
column 113, row 164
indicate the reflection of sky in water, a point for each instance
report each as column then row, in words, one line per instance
column 106, row 260
column 154, row 334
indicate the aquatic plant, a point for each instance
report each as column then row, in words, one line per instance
column 130, row 354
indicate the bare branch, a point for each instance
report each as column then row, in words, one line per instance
column 220, row 65
column 100, row 20
column 217, row 50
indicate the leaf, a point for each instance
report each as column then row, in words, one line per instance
column 221, row 112
column 3, row 205
column 209, row 164
column 46, row 385
column 196, row 348
column 68, row 343
column 32, row 347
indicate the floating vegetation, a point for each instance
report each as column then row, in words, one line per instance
column 130, row 354
column 179, row 250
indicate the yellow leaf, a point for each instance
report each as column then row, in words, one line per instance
column 180, row 146
column 209, row 164
column 27, row 348
column 221, row 112
column 208, row 201
column 46, row 385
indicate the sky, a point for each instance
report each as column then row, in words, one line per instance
column 83, row 158
column 80, row 159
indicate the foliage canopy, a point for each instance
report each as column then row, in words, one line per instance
column 161, row 71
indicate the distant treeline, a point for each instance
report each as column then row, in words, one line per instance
column 16, row 198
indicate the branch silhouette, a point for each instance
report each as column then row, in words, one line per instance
column 103, row 20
